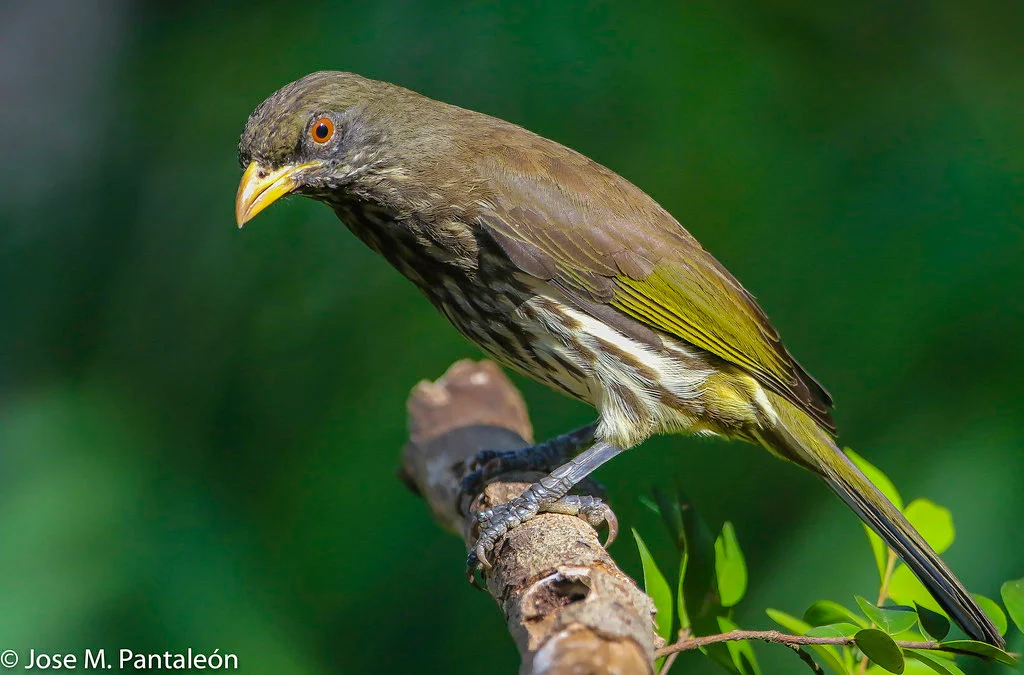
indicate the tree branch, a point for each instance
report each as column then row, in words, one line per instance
column 568, row 606
column 775, row 636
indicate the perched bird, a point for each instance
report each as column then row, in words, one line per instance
column 563, row 270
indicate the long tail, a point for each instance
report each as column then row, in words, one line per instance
column 799, row 438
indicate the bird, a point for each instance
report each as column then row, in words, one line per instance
column 561, row 269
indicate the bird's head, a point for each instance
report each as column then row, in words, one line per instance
column 326, row 132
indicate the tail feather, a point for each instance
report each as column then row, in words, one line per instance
column 802, row 441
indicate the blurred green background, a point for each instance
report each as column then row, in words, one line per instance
column 200, row 427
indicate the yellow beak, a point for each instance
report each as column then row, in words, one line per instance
column 260, row 188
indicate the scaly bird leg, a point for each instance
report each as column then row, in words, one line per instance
column 545, row 456
column 543, row 496
column 587, row 508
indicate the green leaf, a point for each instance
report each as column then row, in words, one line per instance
column 981, row 649
column 646, row 501
column 671, row 514
column 939, row 665
column 681, row 610
column 835, row 630
column 892, row 620
column 934, row 522
column 730, row 568
column 826, row 612
column 656, row 587
column 829, row 654
column 700, row 569
column 934, row 625
column 881, row 649
column 741, row 651
column 906, row 589
column 719, row 654
column 875, row 475
column 910, row 667
column 887, row 488
column 994, row 612
column 699, row 592
column 880, row 551
column 788, row 621
column 1013, row 598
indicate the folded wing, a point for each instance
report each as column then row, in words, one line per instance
column 564, row 218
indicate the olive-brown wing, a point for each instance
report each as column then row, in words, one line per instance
column 561, row 217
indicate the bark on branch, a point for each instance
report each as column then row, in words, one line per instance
column 568, row 606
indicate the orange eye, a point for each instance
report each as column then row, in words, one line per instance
column 322, row 130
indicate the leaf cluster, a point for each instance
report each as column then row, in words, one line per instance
column 903, row 631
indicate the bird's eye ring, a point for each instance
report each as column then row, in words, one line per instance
column 322, row 130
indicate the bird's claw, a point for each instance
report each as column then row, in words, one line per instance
column 482, row 458
column 487, row 464
column 472, row 567
column 592, row 510
column 602, row 513
column 497, row 521
column 483, row 466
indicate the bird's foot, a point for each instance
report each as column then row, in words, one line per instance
column 545, row 456
column 546, row 495
column 498, row 521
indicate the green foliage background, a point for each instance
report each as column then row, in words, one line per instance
column 199, row 428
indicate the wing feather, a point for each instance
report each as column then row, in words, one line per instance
column 561, row 217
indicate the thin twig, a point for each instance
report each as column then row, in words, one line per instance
column 793, row 640
column 890, row 567
column 776, row 637
column 883, row 594
column 668, row 663
column 684, row 633
column 806, row 658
